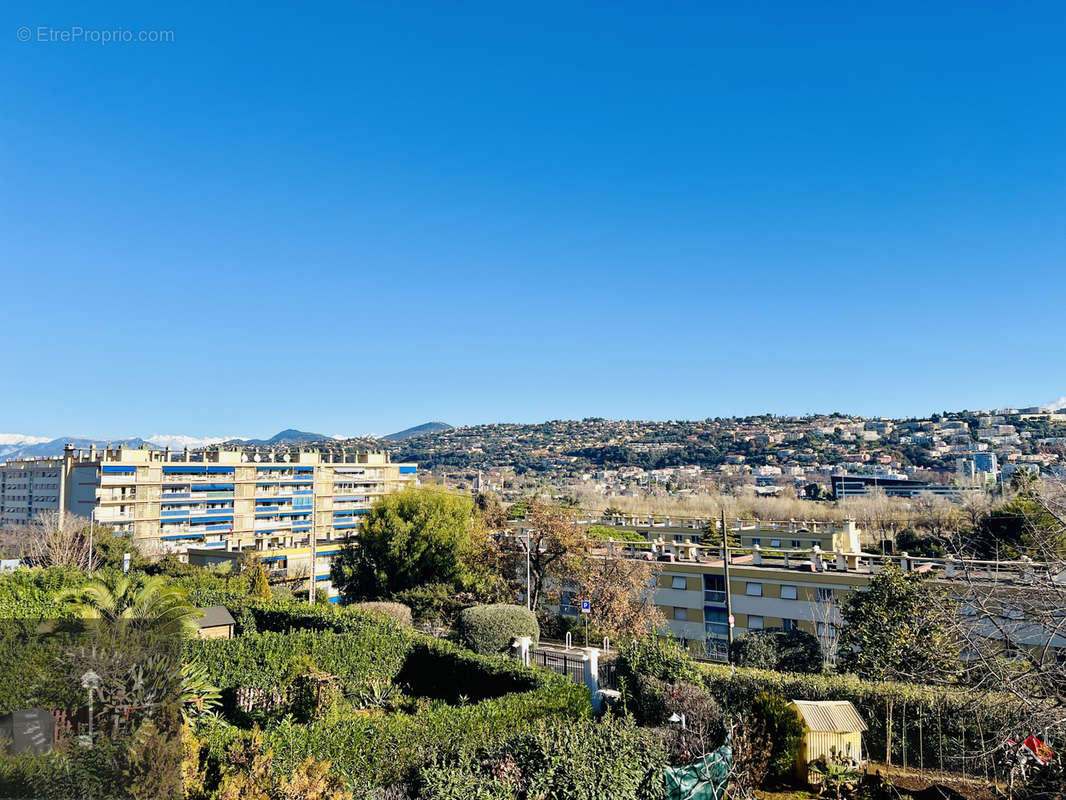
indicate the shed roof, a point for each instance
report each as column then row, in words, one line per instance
column 838, row 716
column 213, row 616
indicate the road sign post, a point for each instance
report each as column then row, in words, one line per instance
column 586, row 609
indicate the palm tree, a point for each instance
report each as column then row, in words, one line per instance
column 150, row 603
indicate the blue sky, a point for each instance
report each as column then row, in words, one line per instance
column 359, row 217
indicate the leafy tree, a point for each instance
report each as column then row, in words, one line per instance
column 491, row 511
column 558, row 551
column 815, row 491
column 109, row 550
column 908, row 541
column 899, row 628
column 413, row 538
column 258, row 585
column 621, row 594
column 518, row 510
column 784, row 730
column 785, row 651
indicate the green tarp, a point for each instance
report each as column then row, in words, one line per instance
column 704, row 779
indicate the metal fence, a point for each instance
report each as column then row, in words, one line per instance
column 561, row 663
column 608, row 675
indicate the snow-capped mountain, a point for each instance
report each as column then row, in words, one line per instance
column 17, row 445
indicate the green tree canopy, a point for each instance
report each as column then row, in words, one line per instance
column 413, row 538
column 899, row 629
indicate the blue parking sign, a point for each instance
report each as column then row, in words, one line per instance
column 586, row 607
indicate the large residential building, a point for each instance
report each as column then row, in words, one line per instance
column 215, row 499
column 786, row 575
column 861, row 485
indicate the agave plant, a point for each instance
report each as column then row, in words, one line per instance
column 378, row 694
column 837, row 776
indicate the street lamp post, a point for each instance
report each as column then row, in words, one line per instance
column 90, row 681
column 92, row 524
column 529, row 593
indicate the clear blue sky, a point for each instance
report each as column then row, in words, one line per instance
column 363, row 217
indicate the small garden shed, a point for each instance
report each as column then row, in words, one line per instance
column 831, row 728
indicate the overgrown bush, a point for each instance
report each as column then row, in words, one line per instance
column 655, row 702
column 376, row 750
column 436, row 604
column 491, row 630
column 755, row 649
column 397, row 612
column 783, row 728
column 443, row 671
column 786, row 651
column 606, row 760
column 655, row 657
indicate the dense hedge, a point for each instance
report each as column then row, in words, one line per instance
column 373, row 749
column 608, row 760
column 441, row 670
column 397, row 612
column 491, row 630
column 931, row 726
column 263, row 660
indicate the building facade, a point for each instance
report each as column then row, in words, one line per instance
column 215, row 499
column 29, row 488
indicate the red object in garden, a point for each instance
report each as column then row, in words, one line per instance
column 1041, row 752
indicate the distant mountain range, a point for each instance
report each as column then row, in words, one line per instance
column 418, row 430
column 17, row 445
column 14, row 445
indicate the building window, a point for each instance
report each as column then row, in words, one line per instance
column 716, row 622
column 680, row 614
column 756, row 542
column 788, row 592
column 713, row 589
column 775, row 543
column 754, row 590
column 755, row 622
column 789, row 624
column 795, row 544
column 825, row 595
column 678, row 582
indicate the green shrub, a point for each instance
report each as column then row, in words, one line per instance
column 755, row 649
column 397, row 612
column 655, row 657
column 611, row 759
column 265, row 660
column 434, row 603
column 783, row 728
column 491, row 630
column 444, row 671
column 376, row 750
column 786, row 651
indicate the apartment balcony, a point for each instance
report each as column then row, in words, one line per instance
column 107, row 516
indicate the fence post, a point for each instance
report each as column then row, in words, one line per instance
column 522, row 643
column 591, row 659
